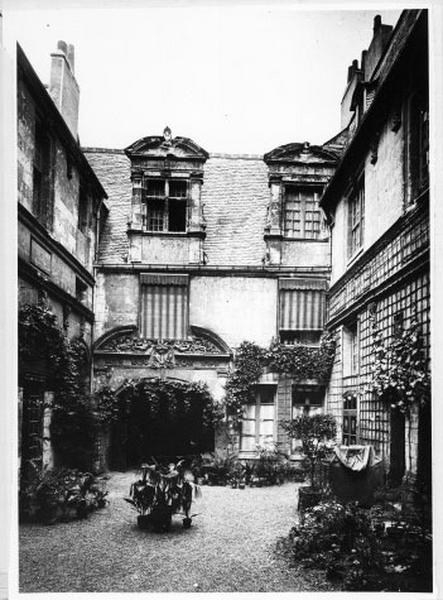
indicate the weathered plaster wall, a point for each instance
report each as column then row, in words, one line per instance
column 384, row 197
column 236, row 308
column 305, row 254
column 116, row 301
column 25, row 144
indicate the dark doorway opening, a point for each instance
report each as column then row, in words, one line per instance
column 162, row 420
column 397, row 447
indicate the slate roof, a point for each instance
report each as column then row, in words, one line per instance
column 235, row 194
column 113, row 169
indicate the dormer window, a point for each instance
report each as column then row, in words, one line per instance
column 301, row 216
column 165, row 204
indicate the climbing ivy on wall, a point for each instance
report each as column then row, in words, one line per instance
column 297, row 361
column 400, row 372
column 167, row 416
column 73, row 425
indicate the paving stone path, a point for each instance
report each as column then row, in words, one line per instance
column 228, row 549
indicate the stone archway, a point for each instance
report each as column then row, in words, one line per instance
column 161, row 418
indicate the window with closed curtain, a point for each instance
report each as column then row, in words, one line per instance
column 164, row 306
column 302, row 308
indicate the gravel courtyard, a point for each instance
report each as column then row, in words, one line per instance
column 228, row 549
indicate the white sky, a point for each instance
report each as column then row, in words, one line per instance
column 235, row 79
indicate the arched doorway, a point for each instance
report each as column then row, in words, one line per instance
column 161, row 418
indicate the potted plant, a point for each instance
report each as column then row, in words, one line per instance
column 314, row 432
column 218, row 466
column 161, row 492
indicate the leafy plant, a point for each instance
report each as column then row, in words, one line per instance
column 335, row 538
column 400, row 370
column 168, row 417
column 298, row 361
column 248, row 367
column 314, row 431
column 347, row 542
column 303, row 362
column 220, row 466
column 271, row 466
column 162, row 491
column 66, row 364
column 61, row 495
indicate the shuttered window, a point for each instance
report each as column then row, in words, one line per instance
column 164, row 306
column 302, row 307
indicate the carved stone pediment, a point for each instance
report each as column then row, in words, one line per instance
column 166, row 146
column 126, row 340
column 300, row 153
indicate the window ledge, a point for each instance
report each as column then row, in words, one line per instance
column 354, row 257
column 174, row 234
column 301, row 239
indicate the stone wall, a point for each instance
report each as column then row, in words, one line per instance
column 384, row 194
column 395, row 280
column 236, row 308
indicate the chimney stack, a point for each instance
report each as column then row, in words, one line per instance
column 354, row 76
column 381, row 35
column 63, row 86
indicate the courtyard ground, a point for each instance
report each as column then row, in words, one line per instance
column 229, row 547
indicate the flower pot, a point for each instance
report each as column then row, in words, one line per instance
column 308, row 497
column 241, row 486
column 234, row 485
column 144, row 521
column 161, row 518
column 187, row 523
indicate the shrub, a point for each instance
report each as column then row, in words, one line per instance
column 220, row 467
column 335, row 538
column 314, row 432
column 61, row 495
column 353, row 546
column 272, row 466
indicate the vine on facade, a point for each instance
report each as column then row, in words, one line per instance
column 175, row 400
column 66, row 365
column 400, row 370
column 297, row 361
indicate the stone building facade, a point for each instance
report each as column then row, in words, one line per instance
column 196, row 252
column 203, row 251
column 60, row 207
column 377, row 205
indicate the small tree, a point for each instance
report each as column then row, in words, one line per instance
column 313, row 431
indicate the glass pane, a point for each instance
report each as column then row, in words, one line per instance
column 267, row 411
column 155, row 188
column 249, row 411
column 248, row 443
column 266, row 394
column 297, row 411
column 266, row 441
column 177, row 189
column 248, row 427
column 266, row 428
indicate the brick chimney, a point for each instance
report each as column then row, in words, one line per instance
column 376, row 48
column 355, row 75
column 63, row 86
